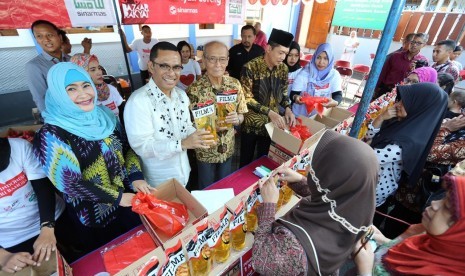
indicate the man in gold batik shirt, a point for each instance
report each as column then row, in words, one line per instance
column 265, row 82
column 215, row 163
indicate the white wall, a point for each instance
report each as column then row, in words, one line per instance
column 368, row 45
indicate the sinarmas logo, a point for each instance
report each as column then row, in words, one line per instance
column 134, row 9
column 89, row 4
column 173, row 10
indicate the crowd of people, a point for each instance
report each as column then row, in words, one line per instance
column 72, row 189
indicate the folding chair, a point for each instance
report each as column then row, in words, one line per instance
column 341, row 63
column 307, row 57
column 303, row 62
column 346, row 74
column 364, row 70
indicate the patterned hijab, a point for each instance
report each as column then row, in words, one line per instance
column 342, row 203
column 61, row 111
column 83, row 60
column 443, row 254
column 296, row 66
column 325, row 76
column 426, row 74
column 426, row 104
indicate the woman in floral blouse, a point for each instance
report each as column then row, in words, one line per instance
column 84, row 152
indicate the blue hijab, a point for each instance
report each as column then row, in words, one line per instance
column 62, row 112
column 323, row 77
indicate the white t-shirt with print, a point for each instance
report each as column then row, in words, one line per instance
column 143, row 51
column 19, row 215
column 113, row 101
column 302, row 84
column 189, row 74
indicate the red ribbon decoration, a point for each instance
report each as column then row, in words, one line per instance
column 300, row 130
column 314, row 103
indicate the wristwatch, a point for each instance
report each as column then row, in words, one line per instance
column 49, row 224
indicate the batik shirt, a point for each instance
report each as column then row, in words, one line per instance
column 446, row 152
column 202, row 91
column 264, row 90
column 92, row 175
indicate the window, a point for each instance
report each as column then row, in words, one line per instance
column 8, row 33
column 206, row 26
column 253, row 14
column 80, row 30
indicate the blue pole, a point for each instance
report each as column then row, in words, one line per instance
column 193, row 36
column 295, row 11
column 235, row 33
column 388, row 33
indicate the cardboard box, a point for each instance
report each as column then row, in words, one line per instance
column 232, row 204
column 230, row 266
column 172, row 190
column 134, row 268
column 332, row 117
column 327, row 121
column 56, row 265
column 337, row 113
column 287, row 207
column 34, row 128
column 291, row 143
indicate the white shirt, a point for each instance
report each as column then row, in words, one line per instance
column 19, row 215
column 113, row 101
column 390, row 167
column 291, row 76
column 143, row 51
column 155, row 126
column 189, row 74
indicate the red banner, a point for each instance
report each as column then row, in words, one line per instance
column 172, row 11
column 21, row 14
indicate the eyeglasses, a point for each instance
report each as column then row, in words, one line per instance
column 214, row 60
column 407, row 81
column 416, row 43
column 166, row 68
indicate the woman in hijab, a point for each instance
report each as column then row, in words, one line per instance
column 318, row 78
column 85, row 154
column 107, row 94
column 293, row 63
column 434, row 247
column 402, row 138
column 350, row 46
column 336, row 209
column 422, row 74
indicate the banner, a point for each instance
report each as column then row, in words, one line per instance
column 364, row 14
column 182, row 11
column 21, row 14
column 235, row 11
column 84, row 13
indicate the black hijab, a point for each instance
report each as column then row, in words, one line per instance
column 295, row 67
column 5, row 151
column 426, row 104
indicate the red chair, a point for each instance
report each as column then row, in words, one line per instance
column 341, row 63
column 364, row 70
column 303, row 62
column 346, row 74
column 308, row 57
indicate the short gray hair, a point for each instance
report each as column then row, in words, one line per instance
column 214, row 43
